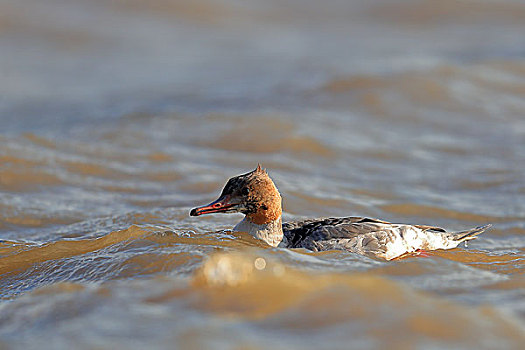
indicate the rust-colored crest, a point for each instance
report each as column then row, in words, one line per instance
column 260, row 170
column 266, row 196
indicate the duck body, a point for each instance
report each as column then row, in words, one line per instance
column 255, row 195
column 371, row 237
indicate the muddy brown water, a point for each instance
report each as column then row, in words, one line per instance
column 117, row 117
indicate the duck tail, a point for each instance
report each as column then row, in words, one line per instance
column 469, row 234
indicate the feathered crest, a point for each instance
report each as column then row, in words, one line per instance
column 260, row 170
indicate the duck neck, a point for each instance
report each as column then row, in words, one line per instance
column 271, row 232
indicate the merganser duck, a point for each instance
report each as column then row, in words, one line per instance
column 255, row 195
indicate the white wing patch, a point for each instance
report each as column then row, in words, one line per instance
column 408, row 239
column 391, row 241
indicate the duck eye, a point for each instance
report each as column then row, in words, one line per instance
column 245, row 191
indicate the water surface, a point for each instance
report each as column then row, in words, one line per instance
column 117, row 117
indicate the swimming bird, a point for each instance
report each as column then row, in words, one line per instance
column 255, row 195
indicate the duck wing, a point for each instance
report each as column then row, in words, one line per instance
column 306, row 233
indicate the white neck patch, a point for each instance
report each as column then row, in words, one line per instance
column 271, row 233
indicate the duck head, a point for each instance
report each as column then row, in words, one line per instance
column 254, row 194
